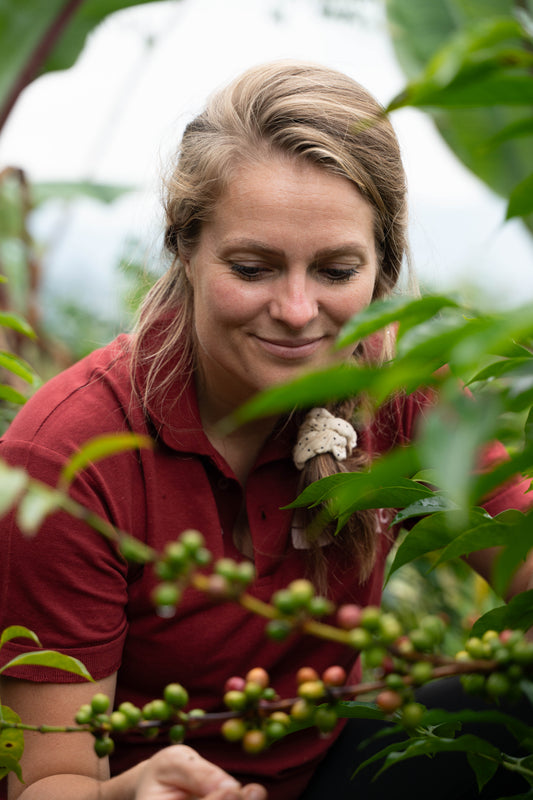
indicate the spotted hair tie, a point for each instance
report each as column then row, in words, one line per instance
column 321, row 432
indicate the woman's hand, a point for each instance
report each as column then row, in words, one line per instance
column 179, row 773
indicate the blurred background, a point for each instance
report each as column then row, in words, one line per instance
column 93, row 140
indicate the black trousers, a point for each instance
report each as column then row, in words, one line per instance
column 445, row 776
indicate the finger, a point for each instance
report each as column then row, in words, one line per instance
column 181, row 766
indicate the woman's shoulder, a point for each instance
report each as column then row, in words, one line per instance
column 88, row 397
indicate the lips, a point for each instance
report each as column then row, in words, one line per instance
column 291, row 349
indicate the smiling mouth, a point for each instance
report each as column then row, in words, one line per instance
column 291, row 349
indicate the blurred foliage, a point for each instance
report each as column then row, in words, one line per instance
column 470, row 66
column 37, row 37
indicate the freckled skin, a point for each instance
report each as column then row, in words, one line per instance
column 288, row 257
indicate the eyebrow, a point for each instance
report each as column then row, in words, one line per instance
column 347, row 249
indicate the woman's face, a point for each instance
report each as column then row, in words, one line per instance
column 287, row 258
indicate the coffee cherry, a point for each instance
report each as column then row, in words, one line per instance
column 202, row 557
column 411, row 714
column 302, row 710
column 349, row 616
column 370, row 618
column 476, row 648
column 253, row 691
column 84, row 715
column 234, row 683
column 359, row 638
column 233, row 730
column 258, row 675
column 254, row 741
column 473, row 684
column 389, row 628
column 334, row 676
column 100, row 703
column 306, row 674
column 274, row 730
column 326, row 719
column 522, row 652
column 103, row 746
column 131, row 712
column 283, row 601
column 434, row 626
column 280, row 717
column 421, row 672
column 156, row 710
column 235, row 701
column 119, row 721
column 395, row 682
column 269, row 693
column 218, row 587
column 389, row 701
column 374, row 656
column 311, row 690
column 192, row 540
column 166, row 595
column 302, row 591
column 421, row 640
column 320, row 607
column 497, row 684
column 245, row 573
column 177, row 734
column 176, row 556
column 175, row 695
column 278, row 629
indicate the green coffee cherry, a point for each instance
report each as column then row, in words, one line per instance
column 133, row 714
column 84, row 715
column 175, row 695
column 326, row 719
column 278, row 629
column 370, row 618
column 411, row 714
column 103, row 746
column 233, row 730
column 177, row 734
column 302, row 591
column 192, row 541
column 421, row 672
column 100, row 703
column 359, row 638
column 119, row 721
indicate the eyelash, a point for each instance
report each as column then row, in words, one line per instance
column 330, row 274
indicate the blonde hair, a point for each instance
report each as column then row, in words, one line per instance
column 298, row 110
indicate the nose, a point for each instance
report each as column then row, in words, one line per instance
column 294, row 302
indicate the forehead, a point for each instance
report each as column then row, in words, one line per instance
column 286, row 198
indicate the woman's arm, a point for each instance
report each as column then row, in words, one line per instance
column 64, row 765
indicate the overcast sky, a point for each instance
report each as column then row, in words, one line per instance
column 119, row 112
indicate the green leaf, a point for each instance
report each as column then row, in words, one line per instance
column 430, row 746
column 11, row 744
column 101, row 447
column 13, row 481
column 352, row 709
column 431, row 533
column 16, row 323
column 51, row 659
column 425, row 506
column 483, row 768
column 17, row 366
column 11, row 395
column 36, row 37
column 521, row 199
column 18, row 632
column 39, row 502
column 381, row 313
column 419, row 30
column 517, row 614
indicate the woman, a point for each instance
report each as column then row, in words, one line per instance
column 286, row 215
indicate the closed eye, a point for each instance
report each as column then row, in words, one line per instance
column 338, row 274
column 247, row 271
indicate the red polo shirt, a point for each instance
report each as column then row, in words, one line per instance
column 69, row 585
